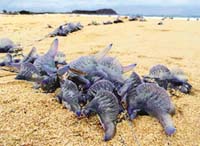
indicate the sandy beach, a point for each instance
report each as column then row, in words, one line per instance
column 29, row 117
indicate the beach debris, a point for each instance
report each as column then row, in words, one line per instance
column 164, row 18
column 142, row 19
column 93, row 23
column 160, row 23
column 8, row 46
column 65, row 29
column 49, row 26
column 118, row 20
column 107, row 22
column 133, row 18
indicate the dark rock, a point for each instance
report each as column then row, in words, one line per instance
column 133, row 19
column 97, row 12
column 49, row 26
column 107, row 23
column 160, row 23
column 117, row 21
column 25, row 12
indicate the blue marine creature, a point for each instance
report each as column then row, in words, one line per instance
column 174, row 79
column 49, row 84
column 69, row 96
column 155, row 101
column 106, row 106
column 8, row 46
column 65, row 29
column 113, row 70
column 6, row 60
column 98, row 86
column 30, row 58
column 87, row 65
column 29, row 72
column 45, row 64
column 128, row 90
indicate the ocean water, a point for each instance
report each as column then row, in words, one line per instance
column 161, row 11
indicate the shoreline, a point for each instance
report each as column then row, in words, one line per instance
column 146, row 17
column 191, row 18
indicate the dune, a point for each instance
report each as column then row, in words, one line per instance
column 29, row 117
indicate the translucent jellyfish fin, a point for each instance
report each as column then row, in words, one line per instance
column 31, row 54
column 79, row 72
column 129, row 67
column 103, row 52
column 53, row 49
column 61, row 71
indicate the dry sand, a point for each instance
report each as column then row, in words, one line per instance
column 29, row 117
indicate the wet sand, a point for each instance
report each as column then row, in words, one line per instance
column 29, row 117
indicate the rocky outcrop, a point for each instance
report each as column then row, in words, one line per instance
column 96, row 12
